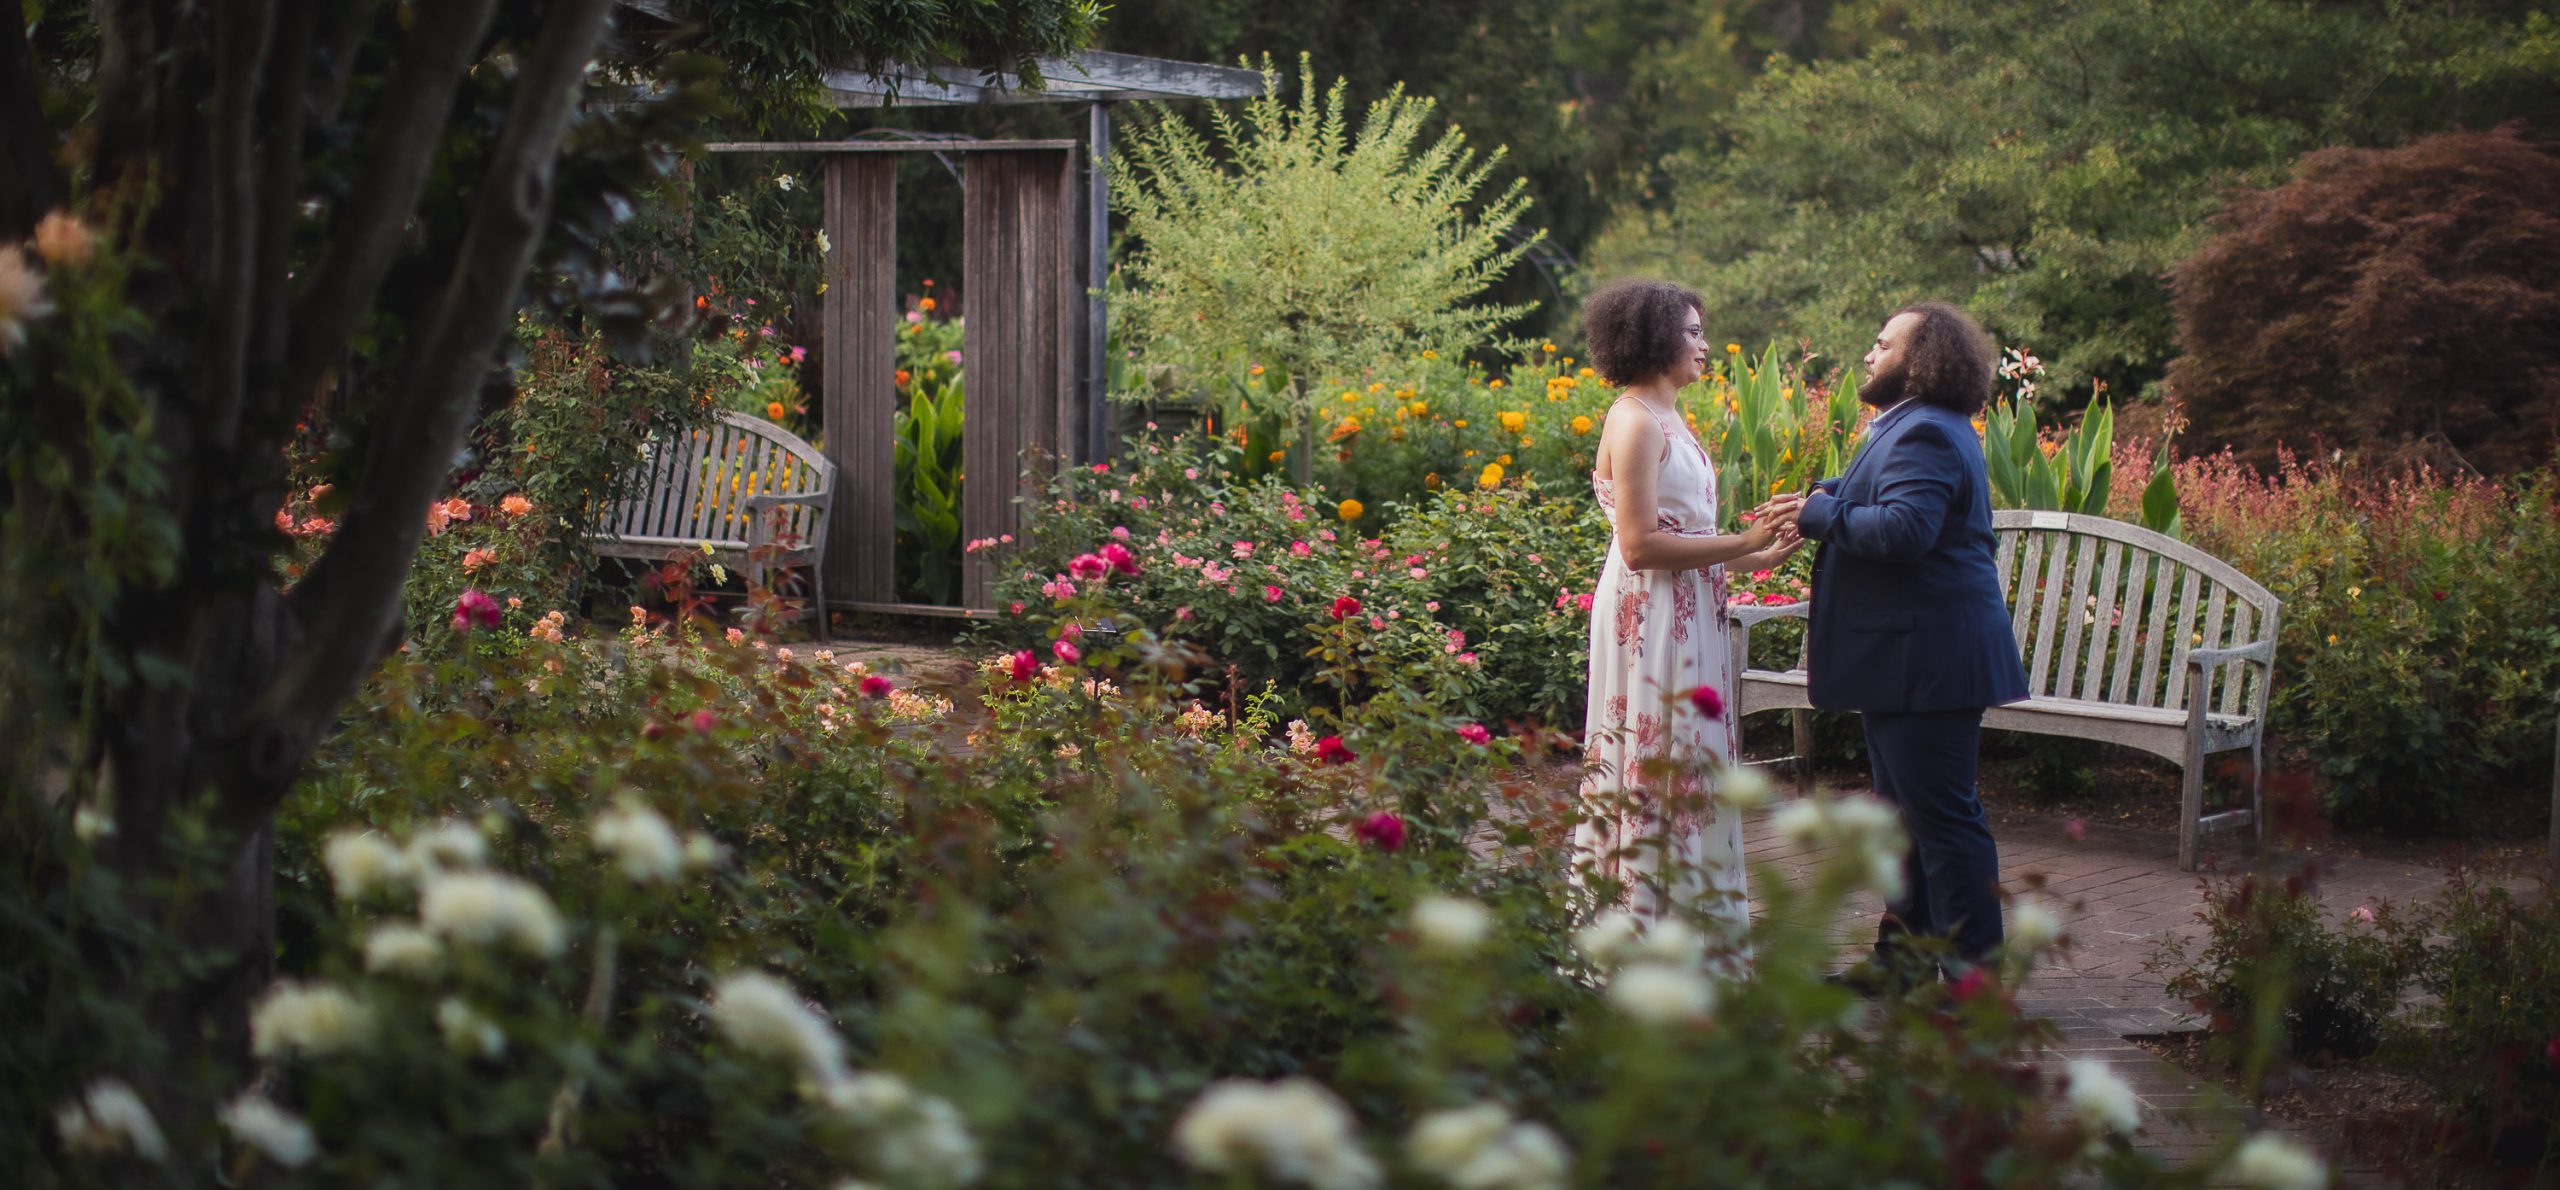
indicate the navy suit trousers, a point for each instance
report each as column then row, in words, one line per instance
column 1925, row 763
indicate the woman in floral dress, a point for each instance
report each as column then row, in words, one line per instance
column 1650, row 836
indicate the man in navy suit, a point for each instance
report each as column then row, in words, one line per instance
column 1909, row 626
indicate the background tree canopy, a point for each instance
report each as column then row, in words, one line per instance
column 2045, row 164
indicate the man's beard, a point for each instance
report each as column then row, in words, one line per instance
column 1884, row 389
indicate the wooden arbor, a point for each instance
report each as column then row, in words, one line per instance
column 1034, row 255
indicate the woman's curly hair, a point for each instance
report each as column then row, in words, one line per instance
column 1633, row 328
column 1950, row 361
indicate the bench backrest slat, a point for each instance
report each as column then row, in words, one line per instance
column 2106, row 611
column 693, row 485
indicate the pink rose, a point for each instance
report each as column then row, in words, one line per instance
column 1065, row 650
column 875, row 686
column 1381, row 830
column 1024, row 666
column 1089, row 567
column 701, row 721
column 474, row 610
column 1708, row 702
column 1270, row 594
column 1475, row 733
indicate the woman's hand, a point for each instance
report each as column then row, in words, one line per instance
column 1769, row 558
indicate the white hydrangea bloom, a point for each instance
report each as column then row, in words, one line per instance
column 641, row 842
column 1669, row 941
column 1605, row 940
column 930, row 1147
column 281, row 1135
column 398, row 948
column 2272, row 1162
column 1661, row 994
column 1443, row 1141
column 466, row 1030
column 2032, row 927
column 492, row 907
column 1292, row 1129
column 2102, row 1101
column 308, row 1020
column 451, row 843
column 1524, row 1157
column 703, row 851
column 761, row 1014
column 1800, row 823
column 110, row 1118
column 361, row 862
column 1745, row 787
column 869, row 1098
column 1451, row 925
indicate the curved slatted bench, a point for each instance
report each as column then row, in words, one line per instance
column 750, row 490
column 2128, row 636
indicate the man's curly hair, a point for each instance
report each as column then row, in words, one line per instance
column 1632, row 328
column 1950, row 361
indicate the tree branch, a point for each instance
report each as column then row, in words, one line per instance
column 353, row 592
column 289, row 105
column 411, row 127
column 243, row 35
column 26, row 157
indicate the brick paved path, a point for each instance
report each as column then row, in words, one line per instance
column 2119, row 892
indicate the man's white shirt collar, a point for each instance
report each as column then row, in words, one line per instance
column 1896, row 407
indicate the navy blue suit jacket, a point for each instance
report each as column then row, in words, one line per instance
column 1907, row 612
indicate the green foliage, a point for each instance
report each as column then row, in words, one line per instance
column 2045, row 165
column 2484, row 953
column 777, row 55
column 1302, row 243
column 2418, row 659
column 926, row 428
column 2280, row 980
column 1047, row 945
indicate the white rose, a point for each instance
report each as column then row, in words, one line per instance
column 467, row 1031
column 110, row 1118
column 1605, row 940
column 1745, row 787
column 1443, row 1141
column 1450, row 925
column 2275, row 1163
column 452, row 843
column 361, row 862
column 1800, row 823
column 1524, row 1157
column 2102, row 1101
column 308, row 1020
column 491, row 907
column 2032, row 927
column 641, row 842
column 1669, row 941
column 402, row 949
column 761, row 1014
column 1294, row 1129
column 1658, row 994
column 260, row 1124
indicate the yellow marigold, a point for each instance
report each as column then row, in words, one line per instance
column 1548, row 348
column 1418, row 408
column 1461, row 423
column 1347, row 428
column 1491, row 477
column 1586, row 373
column 1348, row 395
column 925, row 304
column 1255, row 370
column 1581, row 424
column 1496, row 382
column 1377, row 386
column 1513, row 421
column 773, row 410
column 1502, row 460
column 1429, row 354
column 1348, row 510
column 1278, row 455
column 1431, row 480
column 1733, row 349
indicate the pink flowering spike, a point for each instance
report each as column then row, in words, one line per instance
column 1381, row 830
column 1065, row 650
column 1708, row 701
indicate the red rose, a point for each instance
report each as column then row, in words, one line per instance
column 1475, row 733
column 1120, row 558
column 875, row 686
column 474, row 610
column 1331, row 750
column 1088, row 567
column 701, row 721
column 1382, row 830
column 1026, row 666
column 653, row 730
column 1974, row 983
column 1017, row 607
column 1708, row 702
column 1345, row 607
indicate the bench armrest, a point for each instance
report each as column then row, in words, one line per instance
column 1747, row 615
column 2262, row 653
column 817, row 499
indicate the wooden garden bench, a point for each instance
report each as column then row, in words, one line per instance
column 751, row 491
column 2129, row 636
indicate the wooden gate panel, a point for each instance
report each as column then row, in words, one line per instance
column 1020, row 253
column 860, row 401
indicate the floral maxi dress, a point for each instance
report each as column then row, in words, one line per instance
column 1655, row 635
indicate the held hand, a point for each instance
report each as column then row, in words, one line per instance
column 1782, row 510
